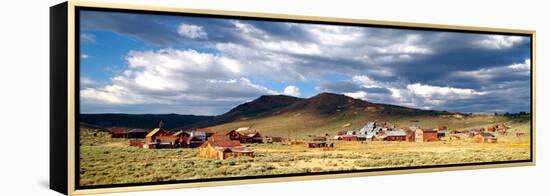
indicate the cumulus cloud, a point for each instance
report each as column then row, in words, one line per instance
column 357, row 95
column 85, row 37
column 171, row 76
column 499, row 41
column 192, row 31
column 227, row 59
column 409, row 46
column 515, row 71
column 84, row 56
column 402, row 92
column 292, row 91
column 87, row 81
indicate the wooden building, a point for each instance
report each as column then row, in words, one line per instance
column 220, row 147
column 233, row 135
column 319, row 139
column 441, row 134
column 253, row 137
column 137, row 133
column 313, row 144
column 348, row 138
column 475, row 131
column 118, row 132
column 410, row 135
column 396, row 136
column 271, row 139
column 156, row 135
column 485, row 138
column 244, row 136
column 425, row 135
column 318, row 142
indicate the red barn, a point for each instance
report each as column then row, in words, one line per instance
column 349, row 138
column 425, row 135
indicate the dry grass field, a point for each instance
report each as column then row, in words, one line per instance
column 104, row 160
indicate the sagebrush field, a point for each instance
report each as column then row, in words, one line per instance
column 105, row 160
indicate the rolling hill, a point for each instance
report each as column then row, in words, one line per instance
column 294, row 117
column 324, row 113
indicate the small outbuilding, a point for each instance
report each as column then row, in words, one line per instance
column 118, row 132
column 349, row 138
column 271, row 139
column 485, row 138
column 218, row 147
column 441, row 134
column 137, row 133
column 396, row 135
column 425, row 135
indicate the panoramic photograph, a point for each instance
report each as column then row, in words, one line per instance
column 166, row 98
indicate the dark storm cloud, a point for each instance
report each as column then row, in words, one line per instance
column 348, row 86
column 159, row 30
column 477, row 68
column 456, row 53
column 339, row 86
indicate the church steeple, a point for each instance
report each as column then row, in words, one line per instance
column 161, row 125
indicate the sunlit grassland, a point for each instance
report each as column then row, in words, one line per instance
column 104, row 160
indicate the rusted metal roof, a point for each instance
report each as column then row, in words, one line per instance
column 138, row 131
column 396, row 133
column 223, row 143
column 117, row 130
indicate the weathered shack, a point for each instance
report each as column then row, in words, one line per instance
column 425, row 135
column 219, row 147
column 242, row 129
column 350, row 132
column 154, row 136
column 485, row 138
column 501, row 127
column 244, row 136
column 206, row 132
column 294, row 142
column 441, row 134
column 252, row 137
column 118, row 132
column 475, row 131
column 349, row 138
column 399, row 135
column 157, row 135
column 314, row 144
column 233, row 135
column 318, row 142
column 137, row 133
column 410, row 134
column 271, row 139
column 195, row 138
column 454, row 132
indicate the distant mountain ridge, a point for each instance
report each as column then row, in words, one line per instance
column 328, row 106
column 323, row 105
column 140, row 120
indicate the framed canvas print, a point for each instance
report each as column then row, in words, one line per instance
column 146, row 98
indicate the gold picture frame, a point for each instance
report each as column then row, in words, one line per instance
column 64, row 96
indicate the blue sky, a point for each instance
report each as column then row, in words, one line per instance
column 143, row 63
